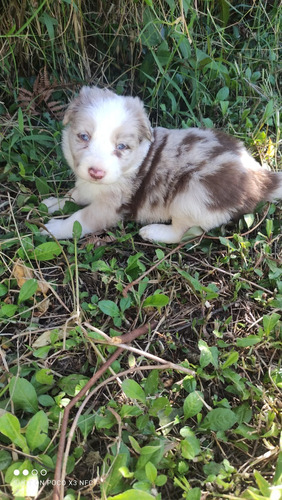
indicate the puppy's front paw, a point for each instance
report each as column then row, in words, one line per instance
column 57, row 227
column 149, row 233
column 53, row 204
column 163, row 233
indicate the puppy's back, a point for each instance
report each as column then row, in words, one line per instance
column 206, row 175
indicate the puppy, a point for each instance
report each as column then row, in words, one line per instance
column 169, row 179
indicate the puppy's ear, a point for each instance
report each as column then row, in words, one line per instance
column 139, row 117
column 72, row 108
column 76, row 103
column 145, row 129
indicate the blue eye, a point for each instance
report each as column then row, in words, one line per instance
column 84, row 137
column 121, row 147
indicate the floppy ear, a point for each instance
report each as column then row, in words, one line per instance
column 145, row 128
column 139, row 117
column 143, row 122
column 73, row 107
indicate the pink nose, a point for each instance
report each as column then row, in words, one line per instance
column 96, row 173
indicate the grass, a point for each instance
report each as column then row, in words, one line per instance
column 194, row 411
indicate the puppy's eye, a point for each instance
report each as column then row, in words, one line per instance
column 122, row 147
column 84, row 137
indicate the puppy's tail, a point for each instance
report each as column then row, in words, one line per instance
column 269, row 184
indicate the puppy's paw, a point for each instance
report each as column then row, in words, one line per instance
column 53, row 204
column 163, row 233
column 57, row 227
column 148, row 233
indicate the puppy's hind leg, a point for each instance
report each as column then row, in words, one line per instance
column 165, row 233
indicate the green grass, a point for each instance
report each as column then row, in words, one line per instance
column 149, row 430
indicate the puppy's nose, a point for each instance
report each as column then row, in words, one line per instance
column 96, row 173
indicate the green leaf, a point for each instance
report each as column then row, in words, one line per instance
column 133, row 495
column 151, row 472
column 125, row 472
column 85, row 424
column 114, row 480
column 206, row 292
column 194, row 494
column 248, row 341
column 37, row 430
column 133, row 390
column 157, row 300
column 10, row 427
column 109, row 308
column 41, row 352
column 28, row 290
column 192, row 232
column 130, row 411
column 20, row 120
column 125, row 303
column 3, row 289
column 227, row 243
column 232, row 358
column 49, row 22
column 8, row 310
column 193, row 404
column 220, row 419
column 135, row 445
column 5, row 459
column 269, row 110
column 269, row 322
column 244, row 413
column 277, row 480
column 222, row 94
column 249, row 219
column 161, row 480
column 224, row 107
column 42, row 186
column 149, row 450
column 47, row 251
column 46, row 400
column 44, row 376
column 23, row 395
column 72, row 384
column 190, row 446
column 209, row 355
column 151, row 383
column 101, row 265
column 269, row 227
column 262, row 484
column 106, row 421
column 76, row 230
column 134, row 265
column 212, row 469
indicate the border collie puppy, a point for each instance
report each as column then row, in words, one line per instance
column 169, row 180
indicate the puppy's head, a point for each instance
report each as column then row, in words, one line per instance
column 106, row 136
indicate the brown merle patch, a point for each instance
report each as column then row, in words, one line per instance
column 146, row 178
column 239, row 190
